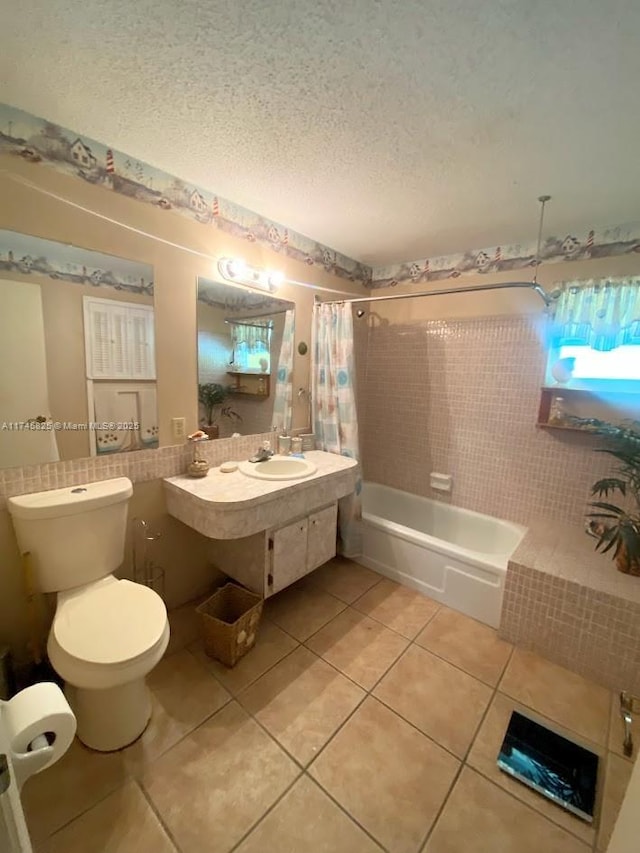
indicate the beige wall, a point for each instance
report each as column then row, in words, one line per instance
column 26, row 210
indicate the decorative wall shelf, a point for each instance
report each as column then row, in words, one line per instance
column 250, row 383
column 578, row 402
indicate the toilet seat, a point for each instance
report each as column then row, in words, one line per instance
column 110, row 622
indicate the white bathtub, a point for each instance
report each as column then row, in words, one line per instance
column 453, row 555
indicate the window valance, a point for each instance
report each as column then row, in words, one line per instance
column 602, row 314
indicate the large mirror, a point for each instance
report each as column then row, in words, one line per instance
column 77, row 353
column 245, row 356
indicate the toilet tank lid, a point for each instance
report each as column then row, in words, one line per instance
column 71, row 500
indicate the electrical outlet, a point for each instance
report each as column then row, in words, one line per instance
column 178, row 427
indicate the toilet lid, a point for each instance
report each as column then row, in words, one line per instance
column 110, row 623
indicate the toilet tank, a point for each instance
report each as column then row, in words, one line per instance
column 75, row 535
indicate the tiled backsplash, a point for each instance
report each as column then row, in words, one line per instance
column 138, row 466
column 462, row 397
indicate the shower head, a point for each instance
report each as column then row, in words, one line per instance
column 360, row 312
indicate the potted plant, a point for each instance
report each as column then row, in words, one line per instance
column 618, row 527
column 213, row 396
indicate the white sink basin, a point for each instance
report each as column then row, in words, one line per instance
column 279, row 468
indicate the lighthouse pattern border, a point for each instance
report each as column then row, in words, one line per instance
column 39, row 141
column 618, row 240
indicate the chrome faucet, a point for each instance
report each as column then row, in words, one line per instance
column 261, row 455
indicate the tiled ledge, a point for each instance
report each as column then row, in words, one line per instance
column 571, row 605
column 139, row 465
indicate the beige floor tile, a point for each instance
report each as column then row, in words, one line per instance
column 302, row 701
column 184, row 694
column 272, row 644
column 218, row 781
column 472, row 646
column 344, row 578
column 302, row 609
column 479, row 817
column 559, row 694
column 389, row 777
column 441, row 700
column 307, row 821
column 616, row 729
column 184, row 625
column 358, row 646
column 617, row 777
column 122, row 823
column 484, row 753
column 78, row 781
column 398, row 607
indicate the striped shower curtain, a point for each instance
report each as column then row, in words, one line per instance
column 334, row 406
column 284, row 377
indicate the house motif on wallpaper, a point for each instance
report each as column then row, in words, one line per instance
column 197, row 203
column 620, row 240
column 81, row 153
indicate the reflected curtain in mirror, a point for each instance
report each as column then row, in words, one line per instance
column 282, row 404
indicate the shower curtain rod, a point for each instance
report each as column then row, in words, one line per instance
column 530, row 285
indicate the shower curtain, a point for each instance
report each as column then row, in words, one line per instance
column 284, row 377
column 334, row 406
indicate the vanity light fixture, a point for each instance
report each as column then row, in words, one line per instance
column 239, row 272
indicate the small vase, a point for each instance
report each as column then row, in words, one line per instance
column 212, row 431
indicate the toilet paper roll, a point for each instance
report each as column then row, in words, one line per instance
column 34, row 712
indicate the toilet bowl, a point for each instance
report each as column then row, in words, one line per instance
column 107, row 634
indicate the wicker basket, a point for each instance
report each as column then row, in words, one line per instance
column 230, row 620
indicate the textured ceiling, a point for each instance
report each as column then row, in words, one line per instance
column 387, row 129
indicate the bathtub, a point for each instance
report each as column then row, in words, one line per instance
column 456, row 556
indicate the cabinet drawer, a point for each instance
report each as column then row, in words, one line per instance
column 321, row 544
column 289, row 554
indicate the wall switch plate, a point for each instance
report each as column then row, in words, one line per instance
column 178, row 427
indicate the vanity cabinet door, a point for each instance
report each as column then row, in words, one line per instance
column 288, row 554
column 321, row 545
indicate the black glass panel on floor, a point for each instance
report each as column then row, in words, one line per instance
column 550, row 764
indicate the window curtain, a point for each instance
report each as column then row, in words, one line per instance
column 600, row 314
column 250, row 343
column 284, row 377
column 334, row 406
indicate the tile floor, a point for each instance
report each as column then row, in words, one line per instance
column 367, row 718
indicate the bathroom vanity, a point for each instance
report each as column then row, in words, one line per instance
column 266, row 533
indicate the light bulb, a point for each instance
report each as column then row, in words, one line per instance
column 275, row 278
column 236, row 267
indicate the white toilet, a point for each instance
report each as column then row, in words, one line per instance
column 107, row 634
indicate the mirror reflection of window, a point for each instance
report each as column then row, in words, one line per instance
column 251, row 345
column 240, row 341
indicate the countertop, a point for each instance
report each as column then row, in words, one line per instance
column 236, row 490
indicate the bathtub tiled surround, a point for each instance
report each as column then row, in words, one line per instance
column 367, row 718
column 569, row 603
column 462, row 397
